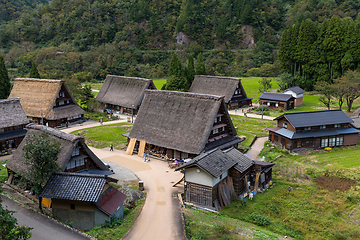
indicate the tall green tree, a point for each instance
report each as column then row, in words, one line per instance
column 327, row 91
column 34, row 73
column 190, row 72
column 175, row 80
column 41, row 153
column 265, row 85
column 200, row 65
column 4, row 80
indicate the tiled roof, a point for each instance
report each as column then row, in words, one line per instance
column 216, row 162
column 110, row 200
column 296, row 89
column 74, row 186
column 276, row 96
column 317, row 118
column 321, row 133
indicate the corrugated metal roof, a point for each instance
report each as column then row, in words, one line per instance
column 317, row 118
column 110, row 200
column 275, row 96
column 74, row 186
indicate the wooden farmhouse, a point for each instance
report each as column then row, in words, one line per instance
column 297, row 93
column 313, row 130
column 74, row 155
column 12, row 124
column 231, row 88
column 123, row 94
column 85, row 200
column 277, row 100
column 181, row 125
column 47, row 102
column 213, row 178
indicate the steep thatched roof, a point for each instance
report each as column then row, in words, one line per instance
column 67, row 141
column 38, row 96
column 124, row 91
column 176, row 120
column 220, row 86
column 11, row 113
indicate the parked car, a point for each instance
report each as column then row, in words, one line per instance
column 108, row 111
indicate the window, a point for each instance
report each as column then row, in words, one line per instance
column 332, row 141
column 339, row 141
column 322, row 126
column 324, row 142
column 75, row 151
column 337, row 125
column 215, row 131
column 284, row 124
column 216, row 120
column 307, row 128
column 61, row 103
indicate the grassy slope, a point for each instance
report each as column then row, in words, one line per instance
column 159, row 83
column 3, row 171
column 103, row 136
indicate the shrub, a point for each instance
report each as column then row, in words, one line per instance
column 259, row 219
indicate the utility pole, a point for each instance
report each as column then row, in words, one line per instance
column 262, row 110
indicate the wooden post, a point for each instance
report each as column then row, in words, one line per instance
column 130, row 148
column 257, row 181
column 40, row 206
column 142, row 148
column 246, row 184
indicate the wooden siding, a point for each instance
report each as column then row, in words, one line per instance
column 351, row 139
column 199, row 194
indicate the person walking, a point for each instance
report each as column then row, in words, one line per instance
column 111, row 147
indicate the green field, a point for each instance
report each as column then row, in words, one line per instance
column 103, row 136
column 251, row 86
column 3, row 171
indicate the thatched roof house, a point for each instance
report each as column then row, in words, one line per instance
column 121, row 93
column 183, row 124
column 231, row 88
column 46, row 100
column 12, row 123
column 74, row 154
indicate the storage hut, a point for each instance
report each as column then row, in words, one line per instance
column 277, row 100
column 47, row 102
column 74, row 154
column 231, row 88
column 181, row 125
column 297, row 93
column 123, row 94
column 85, row 200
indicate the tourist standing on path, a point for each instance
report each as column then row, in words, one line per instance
column 111, row 147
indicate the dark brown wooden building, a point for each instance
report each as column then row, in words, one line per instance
column 212, row 179
column 47, row 102
column 277, row 100
column 12, row 124
column 74, row 155
column 123, row 94
column 181, row 125
column 231, row 88
column 313, row 130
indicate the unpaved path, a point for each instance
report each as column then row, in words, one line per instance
column 160, row 217
column 257, row 147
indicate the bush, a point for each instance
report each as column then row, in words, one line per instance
column 259, row 219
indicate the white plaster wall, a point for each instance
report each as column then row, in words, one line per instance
column 293, row 94
column 203, row 178
column 217, row 180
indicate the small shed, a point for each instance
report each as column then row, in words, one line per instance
column 297, row 93
column 277, row 100
column 213, row 178
column 85, row 200
column 123, row 94
column 12, row 124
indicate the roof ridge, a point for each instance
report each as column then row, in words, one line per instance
column 38, row 80
column 54, row 132
column 218, row 77
column 293, row 113
column 80, row 175
column 133, row 78
column 16, row 99
column 185, row 94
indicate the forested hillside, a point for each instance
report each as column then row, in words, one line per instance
column 87, row 39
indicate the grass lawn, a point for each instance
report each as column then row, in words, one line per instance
column 103, row 136
column 347, row 157
column 250, row 127
column 208, row 225
column 251, row 86
column 159, row 83
column 3, row 171
column 118, row 231
column 95, row 86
